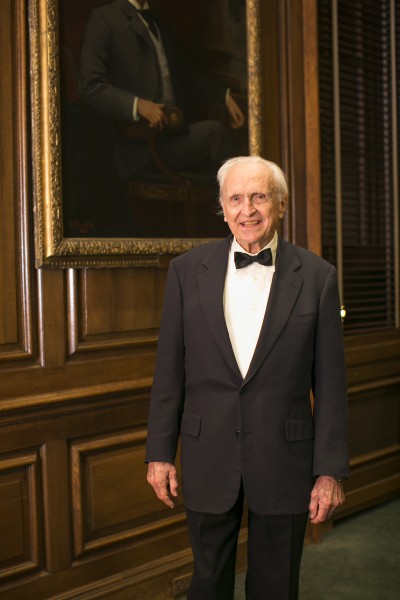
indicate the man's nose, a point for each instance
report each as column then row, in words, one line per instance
column 248, row 206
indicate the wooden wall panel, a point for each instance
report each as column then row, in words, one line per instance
column 8, row 297
column 15, row 311
column 107, row 476
column 113, row 308
column 119, row 301
column 20, row 530
column 56, row 514
column 97, row 516
column 374, row 420
column 373, row 373
column 291, row 132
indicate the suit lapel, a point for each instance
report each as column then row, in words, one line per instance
column 211, row 283
column 134, row 21
column 285, row 288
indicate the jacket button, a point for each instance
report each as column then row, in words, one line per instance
column 237, row 432
column 244, row 391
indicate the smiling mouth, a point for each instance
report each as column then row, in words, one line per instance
column 250, row 223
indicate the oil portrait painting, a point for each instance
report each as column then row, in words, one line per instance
column 135, row 105
column 124, row 175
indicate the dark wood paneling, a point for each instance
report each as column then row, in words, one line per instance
column 113, row 309
column 84, row 492
column 8, row 297
column 15, row 306
column 110, row 503
column 130, row 301
column 56, row 498
column 374, row 420
column 373, row 360
column 20, row 530
column 375, row 477
column 291, row 136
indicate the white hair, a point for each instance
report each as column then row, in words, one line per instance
column 279, row 189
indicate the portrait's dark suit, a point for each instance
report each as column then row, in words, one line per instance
column 261, row 430
column 119, row 63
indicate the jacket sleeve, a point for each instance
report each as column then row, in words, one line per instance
column 329, row 386
column 167, row 395
column 94, row 81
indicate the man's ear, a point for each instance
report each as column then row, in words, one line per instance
column 282, row 207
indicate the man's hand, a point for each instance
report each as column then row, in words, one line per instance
column 237, row 117
column 162, row 477
column 153, row 113
column 327, row 495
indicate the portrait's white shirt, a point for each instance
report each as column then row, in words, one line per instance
column 245, row 299
column 139, row 6
column 168, row 93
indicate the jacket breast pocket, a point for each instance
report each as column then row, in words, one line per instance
column 191, row 424
column 299, row 429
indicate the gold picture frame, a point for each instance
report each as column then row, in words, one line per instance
column 52, row 248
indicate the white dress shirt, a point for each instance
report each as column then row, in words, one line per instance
column 167, row 90
column 245, row 300
column 140, row 6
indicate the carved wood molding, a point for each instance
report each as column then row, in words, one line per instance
column 45, row 400
column 373, row 385
column 377, row 455
column 133, row 577
column 19, row 487
column 374, row 479
column 97, row 459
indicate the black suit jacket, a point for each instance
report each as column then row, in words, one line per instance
column 119, row 63
column 260, row 429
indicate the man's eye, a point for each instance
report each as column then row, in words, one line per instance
column 235, row 199
column 260, row 197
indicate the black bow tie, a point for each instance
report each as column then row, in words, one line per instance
column 148, row 16
column 242, row 259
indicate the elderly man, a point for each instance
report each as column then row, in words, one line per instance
column 130, row 68
column 251, row 324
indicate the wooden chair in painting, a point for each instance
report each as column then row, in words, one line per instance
column 182, row 194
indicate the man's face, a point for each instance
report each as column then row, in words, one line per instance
column 251, row 213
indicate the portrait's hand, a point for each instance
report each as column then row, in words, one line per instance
column 326, row 496
column 162, row 477
column 237, row 117
column 153, row 113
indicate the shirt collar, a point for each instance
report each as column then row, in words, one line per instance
column 273, row 245
column 137, row 5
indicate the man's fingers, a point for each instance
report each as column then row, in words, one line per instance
column 326, row 497
column 152, row 112
column 158, row 119
column 321, row 514
column 173, row 484
column 161, row 490
column 162, row 494
column 313, row 509
column 237, row 117
column 162, row 478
